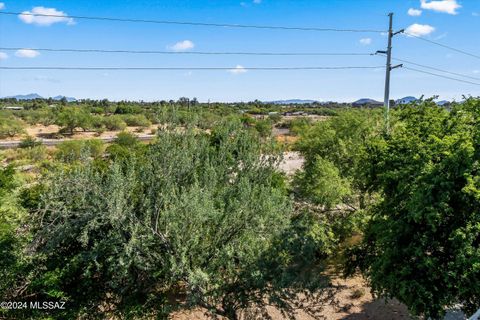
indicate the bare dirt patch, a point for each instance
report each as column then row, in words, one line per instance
column 346, row 305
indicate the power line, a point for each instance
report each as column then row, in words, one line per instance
column 435, row 69
column 192, row 52
column 191, row 68
column 202, row 24
column 444, row 46
column 441, row 76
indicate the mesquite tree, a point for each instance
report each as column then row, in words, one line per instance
column 194, row 219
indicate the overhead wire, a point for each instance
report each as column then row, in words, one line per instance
column 434, row 68
column 190, row 52
column 441, row 76
column 443, row 45
column 189, row 68
column 190, row 23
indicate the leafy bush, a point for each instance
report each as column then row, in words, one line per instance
column 320, row 182
column 137, row 121
column 299, row 125
column 71, row 118
column 199, row 215
column 128, row 109
column 126, row 139
column 342, row 142
column 114, row 123
column 422, row 245
column 29, row 142
column 264, row 128
column 75, row 150
column 10, row 126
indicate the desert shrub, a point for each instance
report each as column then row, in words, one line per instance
column 33, row 154
column 126, row 139
column 263, row 127
column 342, row 142
column 44, row 116
column 71, row 118
column 76, row 150
column 275, row 118
column 299, row 125
column 136, row 121
column 321, row 183
column 128, row 109
column 29, row 142
column 196, row 215
column 114, row 123
column 97, row 123
column 10, row 126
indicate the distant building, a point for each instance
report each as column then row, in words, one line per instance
column 13, row 108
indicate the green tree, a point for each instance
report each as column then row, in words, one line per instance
column 71, row 118
column 10, row 126
column 341, row 145
column 114, row 123
column 199, row 215
column 422, row 245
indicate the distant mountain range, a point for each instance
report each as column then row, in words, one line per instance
column 33, row 96
column 367, row 101
column 360, row 102
column 406, row 100
column 293, row 101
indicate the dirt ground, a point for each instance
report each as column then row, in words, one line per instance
column 292, row 161
column 41, row 131
column 352, row 301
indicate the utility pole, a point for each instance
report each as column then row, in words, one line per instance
column 389, row 68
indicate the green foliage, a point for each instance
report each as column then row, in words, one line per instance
column 76, row 150
column 264, row 127
column 275, row 117
column 199, row 215
column 422, row 245
column 337, row 149
column 299, row 125
column 10, row 126
column 45, row 116
column 71, row 118
column 114, row 123
column 29, row 142
column 10, row 238
column 128, row 109
column 137, row 121
column 320, row 182
column 6, row 179
column 126, row 139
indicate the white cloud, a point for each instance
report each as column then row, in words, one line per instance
column 414, row 12
column 3, row 56
column 257, row 1
column 238, row 70
column 2, row 5
column 475, row 14
column 445, row 6
column 182, row 46
column 27, row 53
column 366, row 41
column 29, row 17
column 419, row 30
column 476, row 71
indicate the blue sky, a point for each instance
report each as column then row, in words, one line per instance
column 452, row 22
